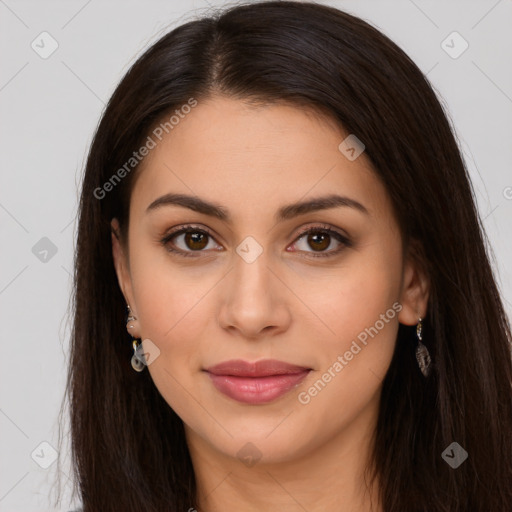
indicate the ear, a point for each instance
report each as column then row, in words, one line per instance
column 415, row 286
column 121, row 264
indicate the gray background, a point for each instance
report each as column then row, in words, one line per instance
column 49, row 109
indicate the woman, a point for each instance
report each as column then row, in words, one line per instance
column 283, row 298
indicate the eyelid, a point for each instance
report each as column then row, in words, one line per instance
column 183, row 228
column 321, row 228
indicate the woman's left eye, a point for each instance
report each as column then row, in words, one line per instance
column 321, row 238
column 195, row 240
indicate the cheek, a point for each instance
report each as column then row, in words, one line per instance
column 362, row 311
column 170, row 296
column 360, row 307
column 173, row 311
column 364, row 319
column 353, row 297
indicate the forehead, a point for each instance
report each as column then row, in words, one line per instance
column 255, row 157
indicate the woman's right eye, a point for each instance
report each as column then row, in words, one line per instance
column 186, row 241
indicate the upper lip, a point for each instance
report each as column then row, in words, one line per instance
column 262, row 368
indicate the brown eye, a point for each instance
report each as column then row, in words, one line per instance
column 319, row 239
column 196, row 240
column 187, row 240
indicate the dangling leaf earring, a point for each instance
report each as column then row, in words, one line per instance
column 422, row 353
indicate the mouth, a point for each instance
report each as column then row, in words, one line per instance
column 258, row 382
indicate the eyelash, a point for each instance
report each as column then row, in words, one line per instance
column 343, row 240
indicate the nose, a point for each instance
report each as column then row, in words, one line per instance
column 254, row 300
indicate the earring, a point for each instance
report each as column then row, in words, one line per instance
column 137, row 364
column 138, row 360
column 130, row 316
column 422, row 353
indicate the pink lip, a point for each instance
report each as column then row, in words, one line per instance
column 258, row 382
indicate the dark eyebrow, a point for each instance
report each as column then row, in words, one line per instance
column 284, row 213
column 316, row 204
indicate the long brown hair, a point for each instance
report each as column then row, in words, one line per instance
column 128, row 446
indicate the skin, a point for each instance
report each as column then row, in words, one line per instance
column 285, row 305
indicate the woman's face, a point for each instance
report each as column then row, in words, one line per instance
column 244, row 283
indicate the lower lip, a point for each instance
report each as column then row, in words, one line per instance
column 256, row 390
